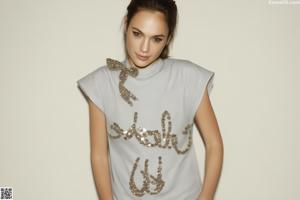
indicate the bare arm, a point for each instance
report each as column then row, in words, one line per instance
column 207, row 124
column 99, row 152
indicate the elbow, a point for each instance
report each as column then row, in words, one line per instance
column 96, row 158
column 216, row 144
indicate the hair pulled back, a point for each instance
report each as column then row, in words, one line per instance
column 167, row 7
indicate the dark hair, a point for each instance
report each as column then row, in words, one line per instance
column 167, row 7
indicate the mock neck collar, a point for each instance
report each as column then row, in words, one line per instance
column 148, row 71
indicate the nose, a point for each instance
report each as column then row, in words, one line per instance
column 145, row 46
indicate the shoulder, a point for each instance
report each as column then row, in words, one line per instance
column 99, row 71
column 96, row 74
column 186, row 66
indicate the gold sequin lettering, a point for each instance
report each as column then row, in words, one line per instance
column 148, row 179
column 125, row 71
column 163, row 139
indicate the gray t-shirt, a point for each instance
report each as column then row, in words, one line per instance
column 150, row 117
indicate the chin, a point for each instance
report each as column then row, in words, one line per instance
column 141, row 64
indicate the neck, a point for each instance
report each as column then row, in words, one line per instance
column 148, row 70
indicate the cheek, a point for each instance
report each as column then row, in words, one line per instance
column 128, row 42
column 131, row 43
column 128, row 39
column 159, row 48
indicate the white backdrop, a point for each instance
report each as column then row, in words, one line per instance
column 252, row 46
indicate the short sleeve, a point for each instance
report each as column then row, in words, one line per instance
column 201, row 79
column 91, row 87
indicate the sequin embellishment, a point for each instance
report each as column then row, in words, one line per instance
column 148, row 179
column 166, row 139
column 125, row 71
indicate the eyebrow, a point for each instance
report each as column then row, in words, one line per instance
column 161, row 35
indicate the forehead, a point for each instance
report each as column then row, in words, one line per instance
column 150, row 22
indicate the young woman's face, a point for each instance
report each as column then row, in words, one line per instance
column 146, row 37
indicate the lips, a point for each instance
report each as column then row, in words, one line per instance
column 143, row 58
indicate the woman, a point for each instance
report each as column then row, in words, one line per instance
column 142, row 112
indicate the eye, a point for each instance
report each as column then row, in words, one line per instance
column 136, row 33
column 157, row 40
